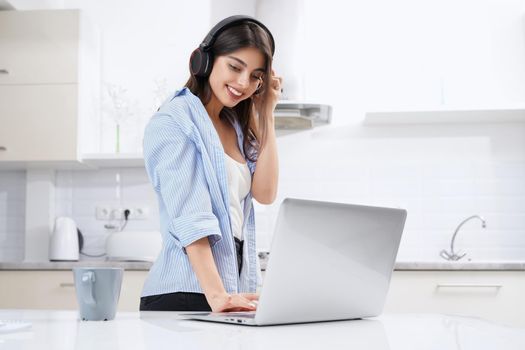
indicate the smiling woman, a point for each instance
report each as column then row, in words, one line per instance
column 208, row 151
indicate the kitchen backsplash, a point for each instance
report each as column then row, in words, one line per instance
column 12, row 215
column 441, row 174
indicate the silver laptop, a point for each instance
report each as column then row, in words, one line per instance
column 329, row 261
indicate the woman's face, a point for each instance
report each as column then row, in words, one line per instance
column 236, row 76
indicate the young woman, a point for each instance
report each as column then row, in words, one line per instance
column 209, row 150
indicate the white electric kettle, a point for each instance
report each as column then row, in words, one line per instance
column 63, row 244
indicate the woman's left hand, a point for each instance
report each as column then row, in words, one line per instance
column 274, row 93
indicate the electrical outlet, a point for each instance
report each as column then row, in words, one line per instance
column 117, row 213
column 139, row 213
column 103, row 213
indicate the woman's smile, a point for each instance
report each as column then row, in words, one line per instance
column 234, row 93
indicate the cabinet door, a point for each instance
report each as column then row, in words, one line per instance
column 38, row 122
column 38, row 47
column 37, row 290
column 56, row 290
column 491, row 295
column 132, row 284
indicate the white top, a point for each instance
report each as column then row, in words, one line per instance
column 239, row 184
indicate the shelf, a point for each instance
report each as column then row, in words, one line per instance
column 36, row 164
column 447, row 115
column 113, row 160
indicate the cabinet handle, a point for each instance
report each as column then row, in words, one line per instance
column 468, row 285
column 2, row 148
column 4, row 71
column 66, row 285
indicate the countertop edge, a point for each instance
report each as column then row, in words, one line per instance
column 68, row 265
column 461, row 266
column 145, row 265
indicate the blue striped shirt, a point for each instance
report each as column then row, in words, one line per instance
column 185, row 162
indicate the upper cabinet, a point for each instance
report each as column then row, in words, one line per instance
column 49, row 86
column 38, row 123
column 39, row 47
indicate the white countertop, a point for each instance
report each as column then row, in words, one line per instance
column 56, row 330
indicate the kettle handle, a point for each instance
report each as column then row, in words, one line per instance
column 88, row 278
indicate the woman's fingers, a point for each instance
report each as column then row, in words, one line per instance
column 250, row 296
column 237, row 302
column 277, row 83
column 277, row 80
column 244, row 302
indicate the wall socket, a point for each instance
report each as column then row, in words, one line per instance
column 117, row 213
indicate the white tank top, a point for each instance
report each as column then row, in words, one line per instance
column 239, row 184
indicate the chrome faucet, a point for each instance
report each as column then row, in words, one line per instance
column 452, row 255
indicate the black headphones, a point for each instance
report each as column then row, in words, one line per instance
column 201, row 60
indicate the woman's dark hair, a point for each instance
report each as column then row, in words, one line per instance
column 242, row 35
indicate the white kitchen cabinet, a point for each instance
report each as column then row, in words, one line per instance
column 491, row 295
column 37, row 127
column 39, row 47
column 49, row 86
column 32, row 289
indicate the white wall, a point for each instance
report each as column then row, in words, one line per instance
column 380, row 54
column 225, row 8
column 359, row 56
column 146, row 47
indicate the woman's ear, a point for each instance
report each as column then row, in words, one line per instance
column 259, row 86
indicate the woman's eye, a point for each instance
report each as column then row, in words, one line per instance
column 236, row 69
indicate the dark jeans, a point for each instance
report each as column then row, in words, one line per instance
column 182, row 301
column 179, row 301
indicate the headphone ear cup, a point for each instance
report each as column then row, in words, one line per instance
column 200, row 63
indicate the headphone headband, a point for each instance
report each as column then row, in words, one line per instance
column 230, row 22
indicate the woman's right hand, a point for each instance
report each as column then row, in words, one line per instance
column 233, row 302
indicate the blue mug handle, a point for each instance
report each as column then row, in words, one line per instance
column 88, row 278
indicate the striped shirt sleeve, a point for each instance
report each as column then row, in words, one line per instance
column 172, row 164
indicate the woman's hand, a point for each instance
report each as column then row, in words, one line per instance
column 274, row 85
column 233, row 302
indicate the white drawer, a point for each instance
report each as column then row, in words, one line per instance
column 492, row 295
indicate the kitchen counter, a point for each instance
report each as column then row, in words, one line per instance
column 68, row 265
column 511, row 265
column 56, row 330
column 496, row 265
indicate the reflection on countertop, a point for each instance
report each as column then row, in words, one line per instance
column 158, row 330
